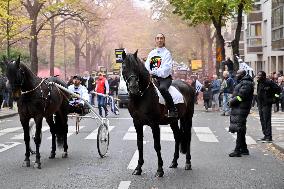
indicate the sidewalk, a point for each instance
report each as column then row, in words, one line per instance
column 6, row 112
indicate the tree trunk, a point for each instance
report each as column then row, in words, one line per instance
column 220, row 51
column 88, row 56
column 52, row 47
column 236, row 41
column 33, row 46
column 202, row 57
column 210, row 56
column 77, row 58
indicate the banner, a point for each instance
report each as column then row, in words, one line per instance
column 118, row 55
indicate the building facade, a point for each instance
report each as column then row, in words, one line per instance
column 264, row 36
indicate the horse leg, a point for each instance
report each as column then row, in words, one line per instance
column 38, row 122
column 63, row 115
column 51, row 124
column 157, row 146
column 25, row 125
column 188, row 127
column 139, row 132
column 177, row 135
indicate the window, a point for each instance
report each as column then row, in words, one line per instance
column 256, row 7
column 254, row 30
column 254, row 42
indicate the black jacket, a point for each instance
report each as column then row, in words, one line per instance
column 90, row 84
column 241, row 103
column 266, row 91
column 242, row 96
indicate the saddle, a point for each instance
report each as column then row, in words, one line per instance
column 176, row 95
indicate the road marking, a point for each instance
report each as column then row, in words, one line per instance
column 249, row 139
column 167, row 134
column 131, row 133
column 9, row 130
column 5, row 120
column 124, row 184
column 204, row 134
column 134, row 160
column 94, row 134
column 279, row 128
column 8, row 145
column 126, row 118
column 21, row 136
column 71, row 131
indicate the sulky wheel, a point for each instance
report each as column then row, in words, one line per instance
column 103, row 140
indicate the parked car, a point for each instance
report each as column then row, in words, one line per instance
column 122, row 93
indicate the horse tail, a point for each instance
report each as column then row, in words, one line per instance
column 61, row 124
column 186, row 123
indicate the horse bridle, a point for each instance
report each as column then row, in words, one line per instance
column 140, row 92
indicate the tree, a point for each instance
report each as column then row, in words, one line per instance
column 13, row 23
column 36, row 8
column 217, row 12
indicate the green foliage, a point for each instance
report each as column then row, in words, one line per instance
column 204, row 11
column 15, row 53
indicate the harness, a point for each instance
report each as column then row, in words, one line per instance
column 140, row 92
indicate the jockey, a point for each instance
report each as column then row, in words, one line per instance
column 159, row 64
column 76, row 104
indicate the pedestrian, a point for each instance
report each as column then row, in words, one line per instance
column 207, row 94
column 254, row 99
column 240, row 105
column 2, row 90
column 228, row 88
column 267, row 94
column 216, row 86
column 159, row 63
column 282, row 94
column 102, row 90
column 88, row 81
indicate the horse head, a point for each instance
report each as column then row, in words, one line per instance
column 134, row 73
column 15, row 76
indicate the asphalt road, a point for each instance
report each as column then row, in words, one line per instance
column 211, row 166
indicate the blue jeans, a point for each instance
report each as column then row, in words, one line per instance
column 226, row 98
column 102, row 104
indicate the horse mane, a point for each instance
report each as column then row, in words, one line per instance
column 27, row 70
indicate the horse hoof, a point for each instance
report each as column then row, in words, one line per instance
column 173, row 165
column 52, row 155
column 37, row 165
column 188, row 166
column 160, row 173
column 137, row 172
column 26, row 164
column 65, row 155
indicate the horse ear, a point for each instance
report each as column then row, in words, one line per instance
column 123, row 55
column 18, row 61
column 135, row 54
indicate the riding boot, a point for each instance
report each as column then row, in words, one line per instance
column 170, row 104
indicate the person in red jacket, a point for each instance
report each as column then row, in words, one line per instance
column 102, row 90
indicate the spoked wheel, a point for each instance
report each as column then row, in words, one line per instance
column 103, row 140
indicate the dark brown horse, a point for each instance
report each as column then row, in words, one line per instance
column 36, row 98
column 145, row 109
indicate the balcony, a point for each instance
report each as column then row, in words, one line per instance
column 255, row 17
column 254, row 45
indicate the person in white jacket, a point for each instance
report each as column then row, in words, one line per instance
column 76, row 105
column 159, row 64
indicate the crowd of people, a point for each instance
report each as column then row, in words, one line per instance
column 235, row 95
column 88, row 88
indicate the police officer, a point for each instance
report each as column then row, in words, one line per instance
column 240, row 105
column 267, row 94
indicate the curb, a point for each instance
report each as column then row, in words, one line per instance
column 281, row 149
column 8, row 115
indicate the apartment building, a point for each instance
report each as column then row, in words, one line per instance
column 264, row 36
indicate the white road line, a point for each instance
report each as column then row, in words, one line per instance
column 93, row 135
column 279, row 129
column 71, row 131
column 134, row 161
column 21, row 136
column 167, row 137
column 249, row 139
column 8, row 145
column 114, row 118
column 131, row 133
column 204, row 134
column 124, row 184
column 9, row 130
